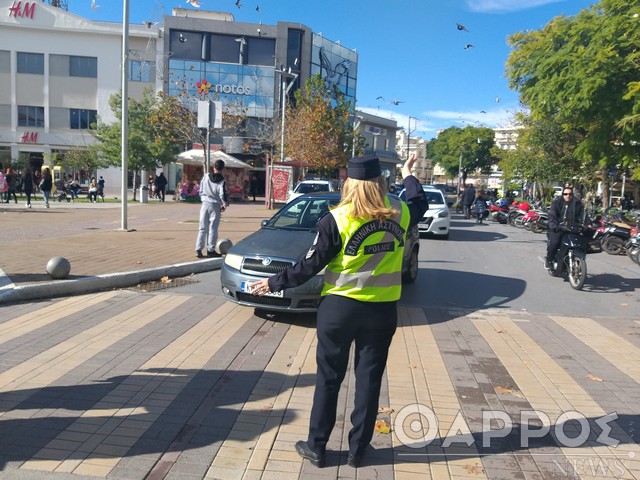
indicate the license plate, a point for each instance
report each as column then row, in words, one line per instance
column 244, row 286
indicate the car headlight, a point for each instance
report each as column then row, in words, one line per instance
column 233, row 260
column 443, row 214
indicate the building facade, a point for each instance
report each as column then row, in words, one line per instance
column 60, row 70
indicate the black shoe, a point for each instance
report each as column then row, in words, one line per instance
column 354, row 460
column 214, row 254
column 199, row 254
column 548, row 265
column 316, row 459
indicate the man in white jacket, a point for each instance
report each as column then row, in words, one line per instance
column 213, row 195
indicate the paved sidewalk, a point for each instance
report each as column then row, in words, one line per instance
column 160, row 241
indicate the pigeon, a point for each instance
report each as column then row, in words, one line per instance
column 148, row 23
column 238, row 4
column 468, row 46
column 93, row 5
column 497, row 99
column 258, row 8
column 482, row 111
column 396, row 102
column 461, row 27
column 194, row 3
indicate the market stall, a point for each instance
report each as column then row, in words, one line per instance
column 236, row 173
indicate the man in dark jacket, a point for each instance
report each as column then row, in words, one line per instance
column 161, row 186
column 468, row 197
column 566, row 210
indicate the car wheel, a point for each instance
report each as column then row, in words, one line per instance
column 411, row 273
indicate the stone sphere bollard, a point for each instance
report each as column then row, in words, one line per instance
column 58, row 268
column 224, row 244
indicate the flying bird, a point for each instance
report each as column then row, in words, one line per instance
column 393, row 102
column 482, row 111
column 468, row 46
column 497, row 99
column 194, row 3
column 238, row 4
column 461, row 27
column 149, row 24
column 258, row 8
column 93, row 5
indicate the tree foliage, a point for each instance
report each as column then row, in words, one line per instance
column 578, row 77
column 318, row 131
column 474, row 144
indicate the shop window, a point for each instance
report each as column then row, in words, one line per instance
column 30, row 116
column 30, row 63
column 83, row 67
column 82, row 119
column 260, row 51
column 139, row 71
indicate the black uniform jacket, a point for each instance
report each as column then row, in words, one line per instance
column 328, row 242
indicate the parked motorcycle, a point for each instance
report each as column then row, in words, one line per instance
column 617, row 231
column 571, row 259
column 633, row 248
column 499, row 213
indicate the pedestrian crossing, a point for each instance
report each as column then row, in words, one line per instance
column 128, row 385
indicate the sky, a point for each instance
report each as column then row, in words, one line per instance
column 410, row 52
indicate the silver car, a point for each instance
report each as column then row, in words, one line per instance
column 282, row 241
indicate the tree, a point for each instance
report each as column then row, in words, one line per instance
column 318, row 131
column 579, row 74
column 472, row 144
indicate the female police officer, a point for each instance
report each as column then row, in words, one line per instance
column 361, row 242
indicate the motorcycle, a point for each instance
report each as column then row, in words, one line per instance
column 617, row 231
column 633, row 248
column 571, row 259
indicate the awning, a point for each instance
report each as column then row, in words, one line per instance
column 196, row 157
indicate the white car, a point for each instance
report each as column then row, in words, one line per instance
column 436, row 220
column 311, row 186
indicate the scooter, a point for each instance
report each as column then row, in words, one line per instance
column 571, row 259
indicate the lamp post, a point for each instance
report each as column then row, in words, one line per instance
column 124, row 138
column 460, row 170
column 409, row 135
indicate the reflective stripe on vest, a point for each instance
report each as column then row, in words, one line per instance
column 369, row 267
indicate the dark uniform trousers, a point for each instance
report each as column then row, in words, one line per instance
column 554, row 239
column 341, row 321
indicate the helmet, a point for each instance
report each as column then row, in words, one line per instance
column 502, row 203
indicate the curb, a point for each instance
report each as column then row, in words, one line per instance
column 104, row 282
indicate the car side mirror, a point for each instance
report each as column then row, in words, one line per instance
column 263, row 223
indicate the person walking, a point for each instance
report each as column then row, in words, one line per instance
column 12, row 179
column 253, row 186
column 213, row 195
column 4, row 186
column 161, row 186
column 101, row 188
column 27, row 185
column 479, row 206
column 565, row 210
column 46, row 184
column 361, row 244
column 468, row 197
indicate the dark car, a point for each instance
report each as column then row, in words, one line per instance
column 282, row 241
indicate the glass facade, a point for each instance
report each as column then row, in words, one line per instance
column 336, row 64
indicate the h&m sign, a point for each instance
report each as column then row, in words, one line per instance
column 29, row 137
column 18, row 9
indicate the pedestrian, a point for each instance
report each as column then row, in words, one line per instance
column 161, row 186
column 468, row 197
column 74, row 188
column 4, row 186
column 361, row 243
column 213, row 195
column 13, row 181
column 479, row 206
column 253, row 186
column 93, row 190
column 27, row 185
column 46, row 185
column 101, row 183
column 565, row 211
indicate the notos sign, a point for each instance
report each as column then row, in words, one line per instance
column 231, row 89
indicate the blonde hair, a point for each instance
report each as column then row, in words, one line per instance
column 366, row 199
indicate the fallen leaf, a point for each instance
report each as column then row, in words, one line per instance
column 165, row 279
column 474, row 469
column 385, row 410
column 412, row 366
column 510, row 391
column 624, row 304
column 499, row 330
column 591, row 376
column 139, row 262
column 382, row 426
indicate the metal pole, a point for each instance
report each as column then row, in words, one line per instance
column 283, row 102
column 124, row 140
column 460, row 172
column 207, row 162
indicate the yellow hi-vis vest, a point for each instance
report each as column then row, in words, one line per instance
column 369, row 266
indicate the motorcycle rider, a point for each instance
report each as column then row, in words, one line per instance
column 565, row 210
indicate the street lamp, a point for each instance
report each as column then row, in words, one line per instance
column 409, row 135
column 124, row 138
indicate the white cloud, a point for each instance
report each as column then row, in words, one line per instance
column 506, row 5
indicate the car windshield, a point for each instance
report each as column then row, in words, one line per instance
column 434, row 198
column 312, row 187
column 301, row 214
